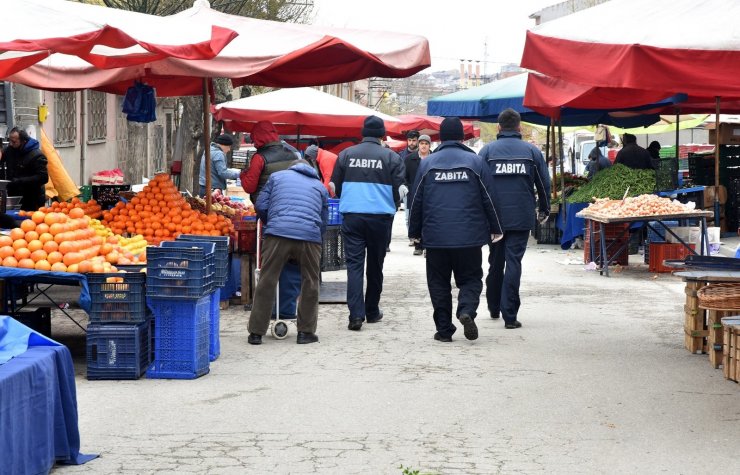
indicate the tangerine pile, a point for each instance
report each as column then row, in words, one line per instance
column 160, row 213
column 61, row 243
column 91, row 208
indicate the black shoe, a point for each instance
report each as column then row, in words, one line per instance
column 469, row 326
column 375, row 319
column 388, row 249
column 495, row 315
column 305, row 337
column 355, row 325
column 512, row 325
column 443, row 339
column 254, row 339
column 418, row 252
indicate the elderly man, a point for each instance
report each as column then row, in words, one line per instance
column 219, row 171
column 26, row 168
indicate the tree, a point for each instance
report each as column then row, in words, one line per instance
column 189, row 133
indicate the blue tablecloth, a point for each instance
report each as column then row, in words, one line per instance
column 571, row 225
column 16, row 275
column 38, row 403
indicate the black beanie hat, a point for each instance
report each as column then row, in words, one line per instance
column 373, row 127
column 224, row 139
column 451, row 129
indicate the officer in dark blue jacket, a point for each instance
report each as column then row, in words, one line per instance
column 368, row 179
column 453, row 213
column 517, row 168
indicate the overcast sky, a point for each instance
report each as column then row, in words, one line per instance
column 456, row 29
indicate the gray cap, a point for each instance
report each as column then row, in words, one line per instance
column 425, row 137
column 311, row 151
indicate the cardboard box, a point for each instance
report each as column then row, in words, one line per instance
column 729, row 134
column 710, row 192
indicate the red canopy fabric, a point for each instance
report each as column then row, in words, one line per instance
column 686, row 46
column 425, row 124
column 265, row 53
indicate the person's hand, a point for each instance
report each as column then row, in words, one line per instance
column 403, row 191
column 496, row 237
column 542, row 217
column 332, row 188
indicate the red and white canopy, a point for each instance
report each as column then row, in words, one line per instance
column 299, row 111
column 689, row 46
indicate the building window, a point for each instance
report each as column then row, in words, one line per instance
column 65, row 118
column 97, row 129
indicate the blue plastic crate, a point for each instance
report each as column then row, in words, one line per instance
column 221, row 258
column 214, row 349
column 181, row 338
column 335, row 217
column 659, row 234
column 122, row 301
column 118, row 351
column 180, row 270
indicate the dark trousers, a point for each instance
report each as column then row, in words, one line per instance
column 465, row 264
column 289, row 286
column 276, row 251
column 364, row 233
column 505, row 274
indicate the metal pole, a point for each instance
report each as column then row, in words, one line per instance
column 716, row 163
column 83, row 135
column 562, row 164
column 207, row 143
column 551, row 151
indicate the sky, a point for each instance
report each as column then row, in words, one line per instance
column 457, row 29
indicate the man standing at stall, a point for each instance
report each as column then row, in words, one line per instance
column 26, row 168
column 517, row 168
column 219, row 171
column 632, row 155
column 368, row 179
column 452, row 211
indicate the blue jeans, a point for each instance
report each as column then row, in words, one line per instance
column 290, row 287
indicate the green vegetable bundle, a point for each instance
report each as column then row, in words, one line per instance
column 613, row 182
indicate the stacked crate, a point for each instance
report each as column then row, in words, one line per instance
column 731, row 348
column 662, row 251
column 119, row 334
column 180, row 278
column 715, row 337
column 694, row 326
column 617, row 240
column 656, row 235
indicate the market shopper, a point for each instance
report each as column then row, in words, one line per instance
column 412, row 144
column 597, row 162
column 632, row 155
column 517, row 168
column 452, row 211
column 411, row 164
column 654, row 151
column 368, row 179
column 219, row 171
column 293, row 206
column 26, row 168
column 272, row 156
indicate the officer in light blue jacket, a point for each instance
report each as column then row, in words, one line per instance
column 219, row 171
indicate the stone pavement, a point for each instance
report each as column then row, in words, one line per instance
column 597, row 381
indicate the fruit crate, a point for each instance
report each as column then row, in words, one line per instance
column 120, row 351
column 222, row 255
column 731, row 348
column 332, row 250
column 214, row 347
column 617, row 240
column 117, row 297
column 548, row 232
column 181, row 338
column 661, row 251
column 245, row 230
column 107, row 195
column 180, row 270
column 335, row 217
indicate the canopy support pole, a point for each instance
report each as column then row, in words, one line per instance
column 550, row 151
column 206, row 143
column 716, row 163
column 562, row 163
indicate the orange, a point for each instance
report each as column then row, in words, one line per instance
column 6, row 241
column 46, row 237
column 26, row 264
column 10, row 261
column 56, row 228
column 51, row 218
column 38, row 255
column 6, row 251
column 97, row 267
column 19, row 243
column 72, row 268
column 17, row 233
column 50, row 246
column 72, row 258
column 22, row 253
column 42, row 265
column 76, row 213
column 35, row 245
column 85, row 266
column 28, row 225
column 38, row 217
column 58, row 267
column 54, row 257
column 66, row 247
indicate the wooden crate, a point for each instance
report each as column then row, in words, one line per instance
column 715, row 338
column 695, row 325
column 731, row 348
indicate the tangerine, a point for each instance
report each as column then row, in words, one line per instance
column 10, row 261
column 28, row 225
column 58, row 267
column 22, row 253
column 42, row 265
column 38, row 217
column 54, row 257
column 38, row 255
column 6, row 241
column 17, row 233
column 19, row 243
column 76, row 213
column 26, row 264
column 35, row 245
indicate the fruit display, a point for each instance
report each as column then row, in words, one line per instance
column 229, row 209
column 228, row 205
column 643, row 205
column 90, row 208
column 135, row 244
column 160, row 213
column 613, row 182
column 59, row 242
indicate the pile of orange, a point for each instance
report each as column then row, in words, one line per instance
column 160, row 213
column 60, row 242
column 91, row 208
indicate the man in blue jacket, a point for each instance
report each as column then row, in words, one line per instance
column 219, row 171
column 453, row 213
column 368, row 179
column 517, row 169
column 293, row 205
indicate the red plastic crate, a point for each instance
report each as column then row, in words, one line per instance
column 660, row 251
column 613, row 246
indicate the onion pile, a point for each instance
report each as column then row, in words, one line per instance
column 643, row 205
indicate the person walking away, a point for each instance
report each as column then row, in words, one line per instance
column 411, row 163
column 517, row 169
column 272, row 156
column 368, row 179
column 452, row 211
column 293, row 205
column 219, row 171
column 597, row 162
column 632, row 155
column 26, row 168
column 654, row 151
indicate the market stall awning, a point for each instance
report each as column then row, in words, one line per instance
column 425, row 124
column 299, row 111
column 688, row 46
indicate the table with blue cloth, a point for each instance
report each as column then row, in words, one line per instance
column 571, row 225
column 38, row 403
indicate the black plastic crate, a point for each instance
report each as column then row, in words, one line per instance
column 118, row 351
column 548, row 232
column 38, row 320
column 666, row 175
column 117, row 297
column 107, row 195
column 332, row 250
